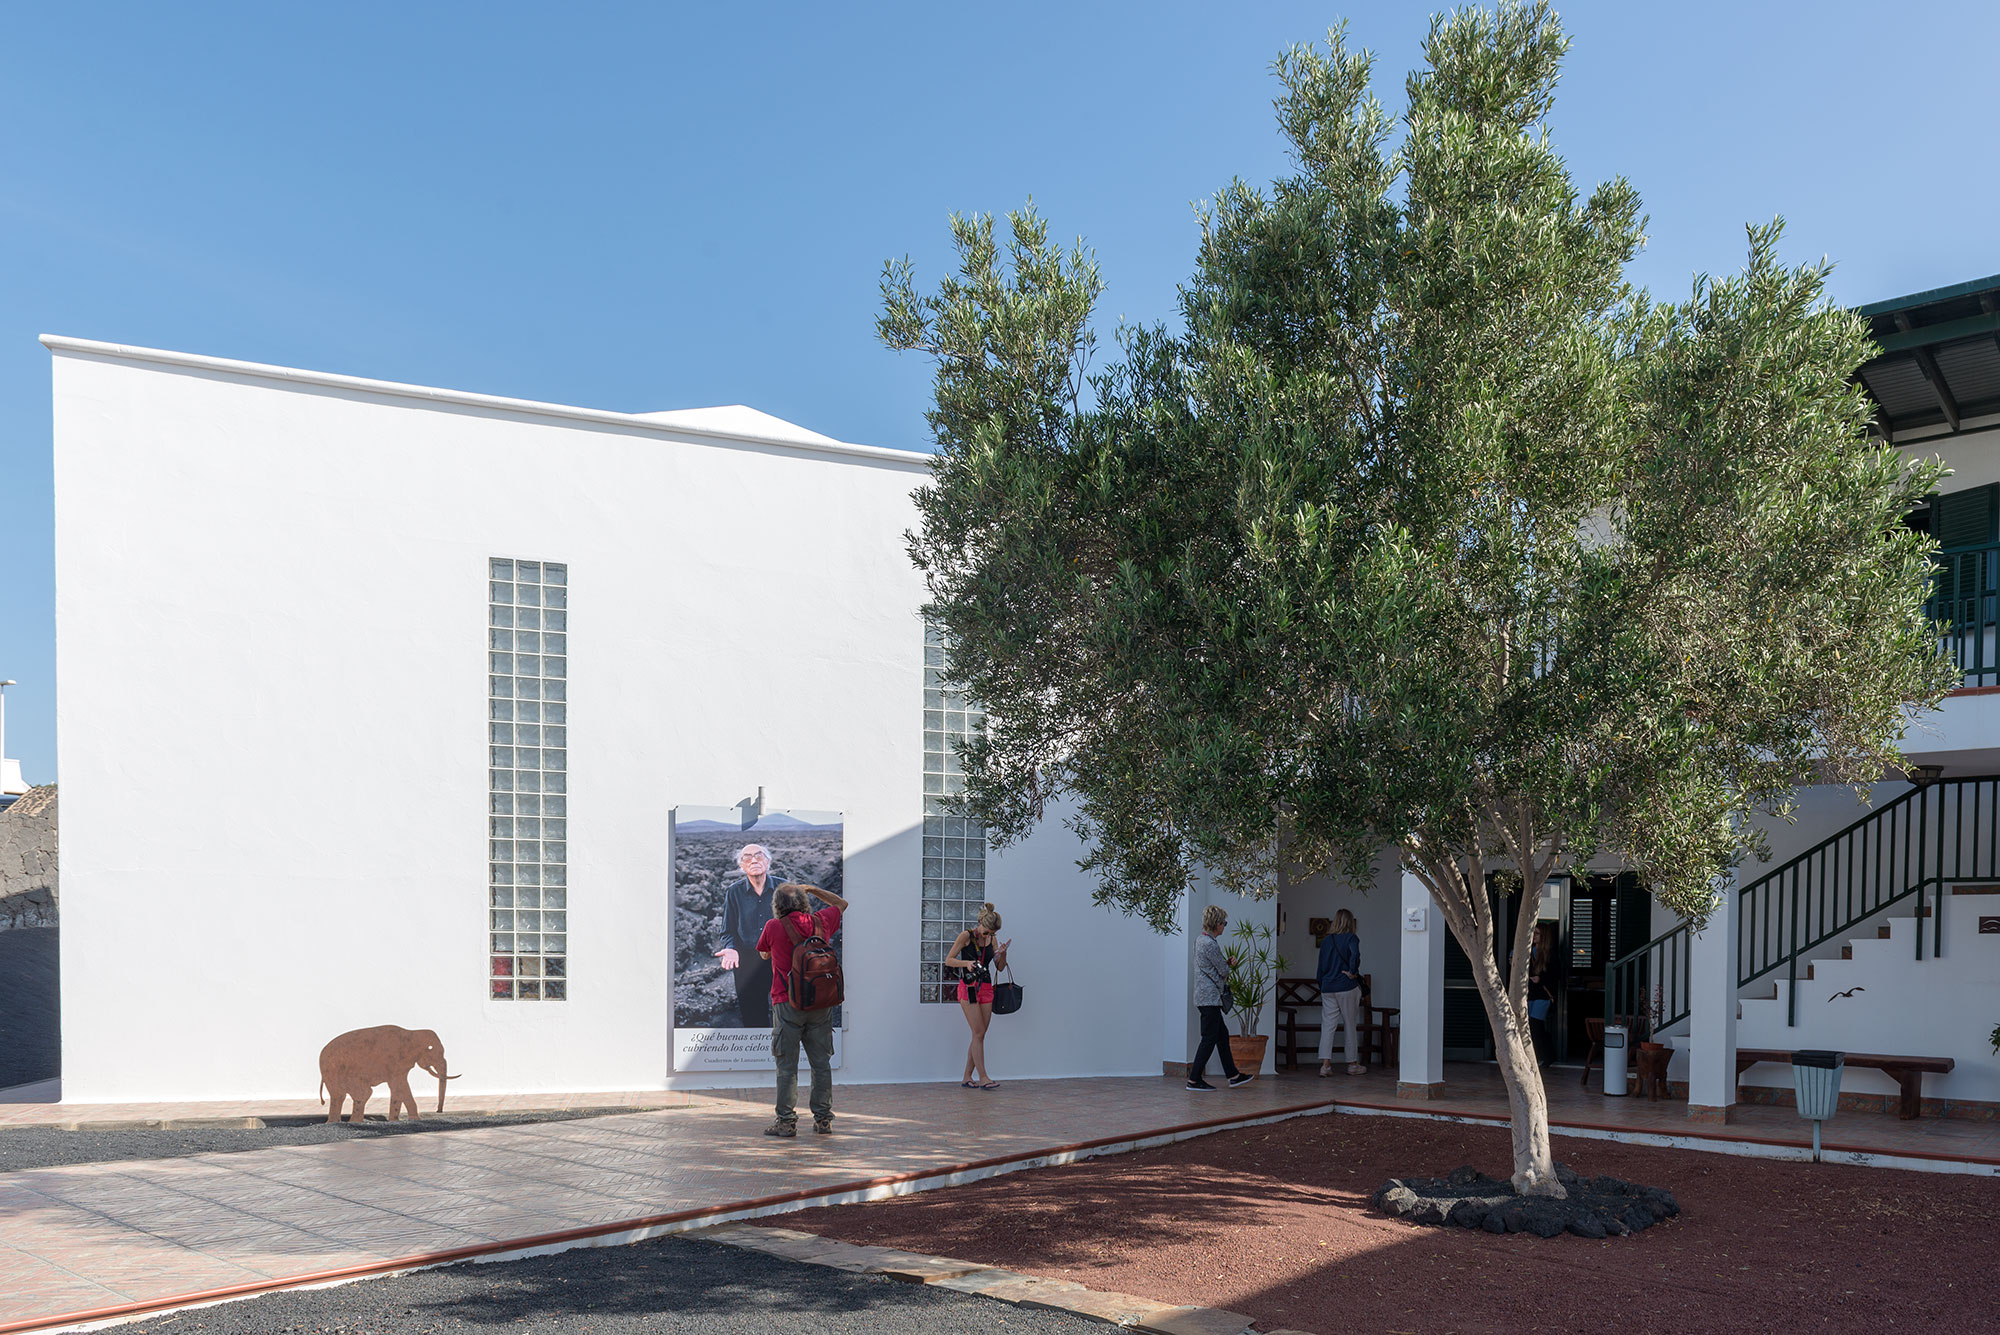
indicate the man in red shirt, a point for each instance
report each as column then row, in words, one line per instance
column 792, row 1028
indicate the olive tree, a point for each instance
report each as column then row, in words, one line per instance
column 1425, row 531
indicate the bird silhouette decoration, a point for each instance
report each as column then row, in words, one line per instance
column 1848, row 993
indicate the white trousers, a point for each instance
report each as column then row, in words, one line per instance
column 1340, row 1008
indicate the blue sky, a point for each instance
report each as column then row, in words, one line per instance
column 653, row 206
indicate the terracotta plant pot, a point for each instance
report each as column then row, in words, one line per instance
column 1652, row 1047
column 1248, row 1052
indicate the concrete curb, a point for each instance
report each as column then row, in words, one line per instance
column 1008, row 1286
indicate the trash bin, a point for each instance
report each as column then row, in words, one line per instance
column 1616, row 1055
column 1816, row 1083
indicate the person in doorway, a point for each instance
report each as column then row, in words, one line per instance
column 746, row 909
column 1211, row 991
column 1340, row 993
column 1544, row 979
column 792, row 1028
column 978, row 954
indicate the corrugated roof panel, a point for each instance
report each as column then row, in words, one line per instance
column 1899, row 386
column 1971, row 369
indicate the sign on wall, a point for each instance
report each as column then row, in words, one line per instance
column 726, row 863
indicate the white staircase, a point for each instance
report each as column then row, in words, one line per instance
column 1877, row 996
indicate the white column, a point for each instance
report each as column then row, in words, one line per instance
column 1712, row 1014
column 1422, row 1072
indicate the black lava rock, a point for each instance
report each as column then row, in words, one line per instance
column 1595, row 1207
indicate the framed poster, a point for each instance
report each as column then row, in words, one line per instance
column 726, row 863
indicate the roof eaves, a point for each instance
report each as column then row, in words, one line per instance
column 1936, row 294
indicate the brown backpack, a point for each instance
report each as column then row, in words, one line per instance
column 814, row 982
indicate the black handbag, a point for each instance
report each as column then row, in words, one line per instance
column 1007, row 995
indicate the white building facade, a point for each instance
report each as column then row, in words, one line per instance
column 291, row 738
column 277, row 710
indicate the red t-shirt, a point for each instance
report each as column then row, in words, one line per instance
column 778, row 943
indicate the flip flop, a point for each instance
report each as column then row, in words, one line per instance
column 991, row 1084
column 968, row 1084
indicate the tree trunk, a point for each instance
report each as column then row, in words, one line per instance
column 1527, row 1103
column 1459, row 891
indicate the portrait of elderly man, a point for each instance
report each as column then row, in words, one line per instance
column 746, row 907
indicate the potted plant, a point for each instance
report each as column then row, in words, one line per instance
column 1652, row 1021
column 1254, row 967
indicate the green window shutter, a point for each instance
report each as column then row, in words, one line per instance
column 1965, row 518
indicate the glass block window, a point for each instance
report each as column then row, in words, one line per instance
column 954, row 847
column 527, row 805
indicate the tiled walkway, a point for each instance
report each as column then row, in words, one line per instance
column 99, row 1236
column 1473, row 1089
column 96, row 1236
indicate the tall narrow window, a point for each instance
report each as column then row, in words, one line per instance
column 954, row 847
column 528, row 799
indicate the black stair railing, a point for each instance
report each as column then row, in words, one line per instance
column 1912, row 847
column 1652, row 982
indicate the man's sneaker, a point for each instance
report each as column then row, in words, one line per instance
column 783, row 1130
column 1201, row 1086
column 825, row 1128
column 1240, row 1078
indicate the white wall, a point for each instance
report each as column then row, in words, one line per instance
column 270, row 628
column 1974, row 458
column 1377, row 908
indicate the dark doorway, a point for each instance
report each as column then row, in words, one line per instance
column 1467, row 1034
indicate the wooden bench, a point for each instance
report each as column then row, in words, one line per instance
column 1299, row 1017
column 1907, row 1072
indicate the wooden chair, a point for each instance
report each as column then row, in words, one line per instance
column 1381, row 1028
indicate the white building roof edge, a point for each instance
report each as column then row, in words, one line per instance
column 85, row 347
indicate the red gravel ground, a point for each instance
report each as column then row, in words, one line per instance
column 1274, row 1221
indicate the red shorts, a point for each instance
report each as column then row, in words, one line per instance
column 984, row 995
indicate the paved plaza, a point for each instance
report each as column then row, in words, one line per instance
column 100, row 1238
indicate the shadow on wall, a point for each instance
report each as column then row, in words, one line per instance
column 30, row 1001
column 30, row 1014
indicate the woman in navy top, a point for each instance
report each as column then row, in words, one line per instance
column 1340, row 993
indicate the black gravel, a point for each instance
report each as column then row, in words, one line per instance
column 663, row 1287
column 49, row 1147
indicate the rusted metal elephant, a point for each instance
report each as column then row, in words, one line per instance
column 353, row 1064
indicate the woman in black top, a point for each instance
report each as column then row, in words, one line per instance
column 977, row 954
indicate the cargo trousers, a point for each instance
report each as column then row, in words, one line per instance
column 792, row 1029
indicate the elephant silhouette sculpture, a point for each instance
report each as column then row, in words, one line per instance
column 353, row 1064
